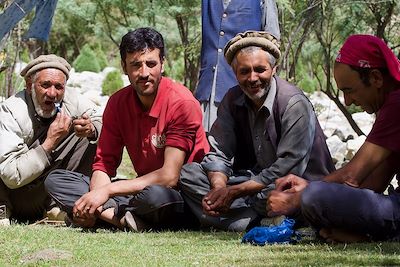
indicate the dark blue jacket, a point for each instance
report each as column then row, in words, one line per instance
column 218, row 27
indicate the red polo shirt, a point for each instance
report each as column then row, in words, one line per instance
column 174, row 120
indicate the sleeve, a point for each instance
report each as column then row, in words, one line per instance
column 270, row 19
column 183, row 126
column 110, row 145
column 19, row 165
column 386, row 129
column 222, row 141
column 295, row 145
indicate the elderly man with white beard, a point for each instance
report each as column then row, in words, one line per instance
column 43, row 127
column 265, row 128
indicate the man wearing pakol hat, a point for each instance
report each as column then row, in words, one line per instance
column 265, row 128
column 43, row 127
column 349, row 204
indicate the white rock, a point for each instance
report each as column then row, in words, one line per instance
column 337, row 148
column 107, row 70
column 353, row 146
column 364, row 121
column 86, row 80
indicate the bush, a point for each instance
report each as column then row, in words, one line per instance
column 112, row 83
column 87, row 61
column 101, row 57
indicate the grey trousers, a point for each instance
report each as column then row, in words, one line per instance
column 158, row 206
column 244, row 211
column 29, row 203
column 332, row 205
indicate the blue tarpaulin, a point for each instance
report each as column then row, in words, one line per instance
column 41, row 23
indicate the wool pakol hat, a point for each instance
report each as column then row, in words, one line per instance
column 45, row 62
column 265, row 40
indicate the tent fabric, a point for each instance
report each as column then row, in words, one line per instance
column 41, row 23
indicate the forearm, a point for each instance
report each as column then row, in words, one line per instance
column 217, row 179
column 99, row 179
column 134, row 186
column 245, row 189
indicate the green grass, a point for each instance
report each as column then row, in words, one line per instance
column 19, row 243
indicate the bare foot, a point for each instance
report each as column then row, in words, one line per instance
column 336, row 235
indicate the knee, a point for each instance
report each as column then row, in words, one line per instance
column 156, row 196
column 313, row 197
column 52, row 179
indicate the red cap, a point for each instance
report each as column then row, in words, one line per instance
column 368, row 51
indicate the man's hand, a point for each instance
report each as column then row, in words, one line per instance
column 285, row 199
column 89, row 203
column 57, row 131
column 290, row 184
column 84, row 127
column 217, row 201
column 282, row 203
column 84, row 221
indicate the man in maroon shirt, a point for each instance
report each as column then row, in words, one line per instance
column 160, row 124
column 349, row 206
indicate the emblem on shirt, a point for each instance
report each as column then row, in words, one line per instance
column 158, row 140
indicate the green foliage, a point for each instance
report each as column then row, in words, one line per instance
column 87, row 61
column 112, row 83
column 354, row 109
column 24, row 55
column 101, row 57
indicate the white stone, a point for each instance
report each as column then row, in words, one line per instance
column 337, row 148
column 353, row 146
column 86, row 80
column 364, row 121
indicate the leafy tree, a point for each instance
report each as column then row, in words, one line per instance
column 86, row 61
column 112, row 83
column 313, row 31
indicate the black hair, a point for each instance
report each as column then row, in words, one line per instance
column 364, row 73
column 141, row 39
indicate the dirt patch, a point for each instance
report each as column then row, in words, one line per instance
column 46, row 255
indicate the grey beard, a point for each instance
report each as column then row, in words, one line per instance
column 38, row 109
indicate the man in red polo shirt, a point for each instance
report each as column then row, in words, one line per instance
column 160, row 124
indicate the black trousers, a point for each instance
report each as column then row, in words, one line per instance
column 159, row 206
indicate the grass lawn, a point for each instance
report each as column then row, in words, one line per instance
column 46, row 245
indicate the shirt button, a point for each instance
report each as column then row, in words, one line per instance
column 214, row 68
column 224, row 15
column 221, row 33
column 219, row 50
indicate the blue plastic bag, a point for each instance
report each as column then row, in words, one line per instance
column 262, row 235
